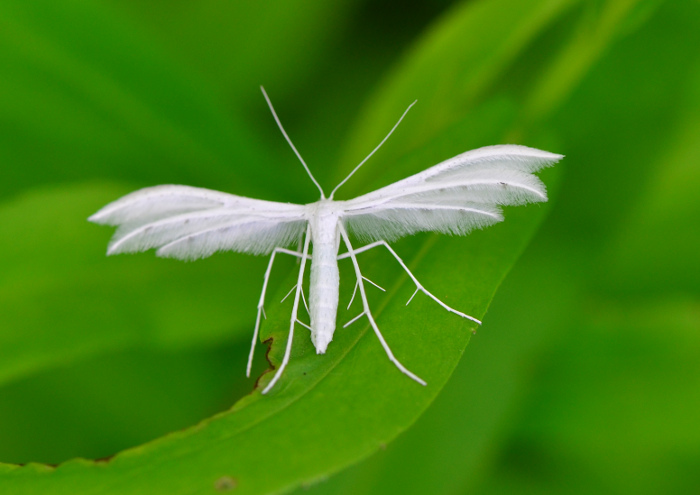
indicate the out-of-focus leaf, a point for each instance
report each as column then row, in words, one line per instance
column 621, row 124
column 614, row 407
column 87, row 408
column 85, row 95
column 660, row 231
column 450, row 73
column 278, row 42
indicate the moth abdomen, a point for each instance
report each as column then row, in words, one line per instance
column 325, row 281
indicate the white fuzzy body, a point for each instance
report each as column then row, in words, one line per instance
column 325, row 278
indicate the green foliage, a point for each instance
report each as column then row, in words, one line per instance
column 127, row 371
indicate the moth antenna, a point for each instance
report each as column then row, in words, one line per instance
column 372, row 153
column 279, row 124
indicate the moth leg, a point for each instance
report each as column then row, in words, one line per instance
column 354, row 292
column 419, row 286
column 295, row 309
column 354, row 320
column 304, row 325
column 352, row 298
column 288, row 294
column 303, row 299
column 261, row 310
column 363, row 296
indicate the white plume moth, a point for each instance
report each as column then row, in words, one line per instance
column 453, row 197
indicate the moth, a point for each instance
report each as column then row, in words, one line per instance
column 453, row 197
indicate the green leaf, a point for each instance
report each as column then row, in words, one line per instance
column 351, row 389
column 330, row 410
column 102, row 353
column 446, row 451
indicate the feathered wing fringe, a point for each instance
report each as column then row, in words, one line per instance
column 453, row 197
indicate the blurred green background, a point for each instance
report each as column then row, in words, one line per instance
column 585, row 377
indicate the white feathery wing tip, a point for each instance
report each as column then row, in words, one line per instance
column 189, row 223
column 453, row 197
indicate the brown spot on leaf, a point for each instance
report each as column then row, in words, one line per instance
column 268, row 343
column 225, row 484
